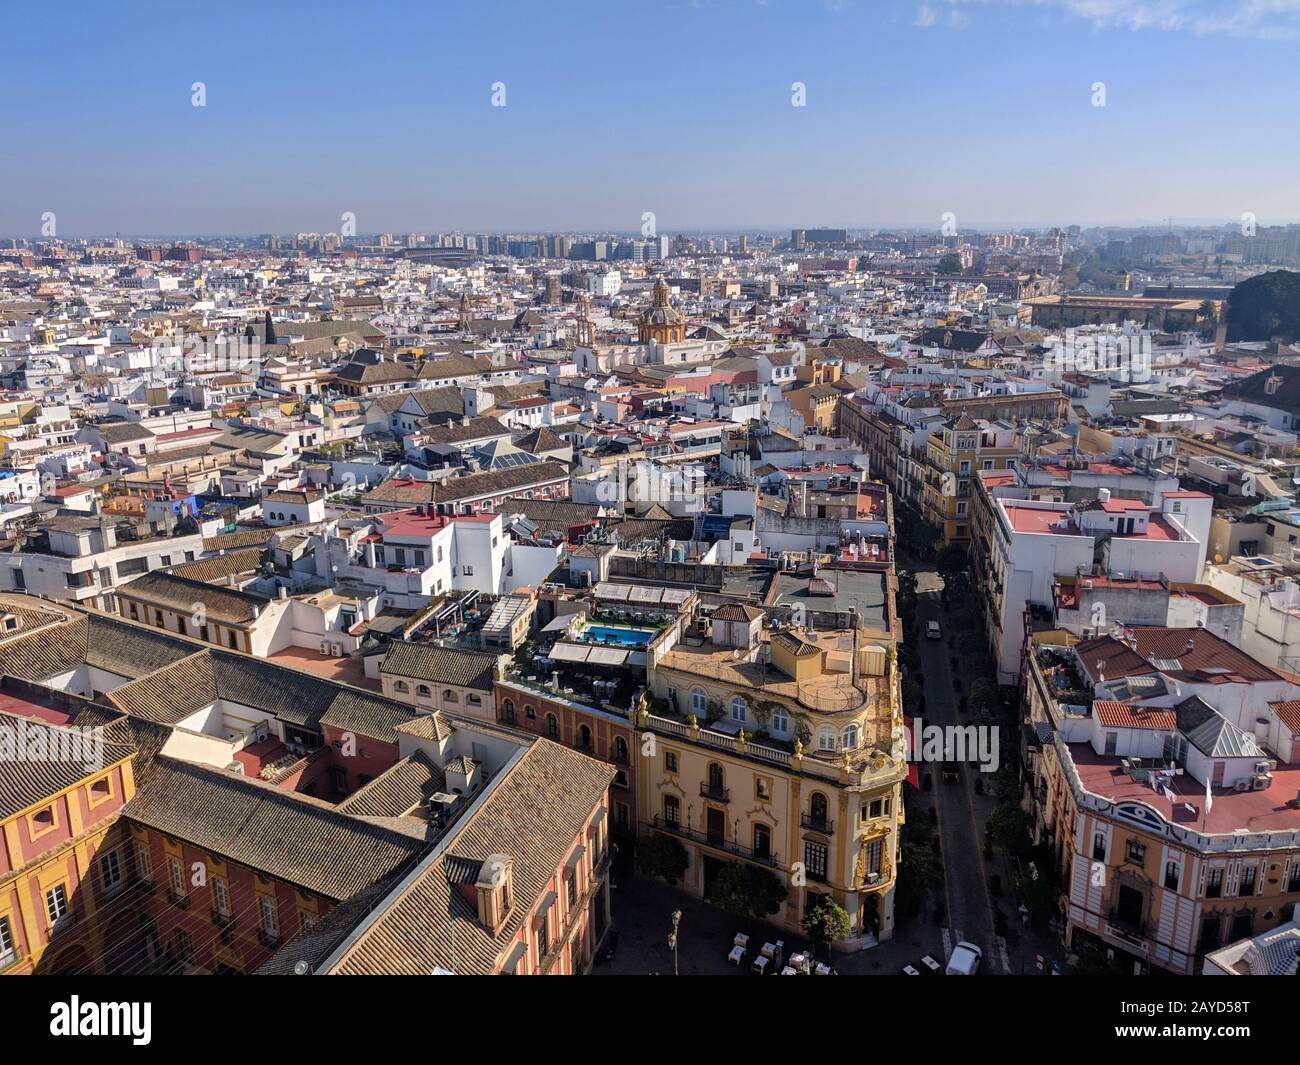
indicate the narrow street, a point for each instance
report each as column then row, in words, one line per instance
column 970, row 909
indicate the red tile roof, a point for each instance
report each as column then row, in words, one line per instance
column 1129, row 715
column 1289, row 712
column 1208, row 659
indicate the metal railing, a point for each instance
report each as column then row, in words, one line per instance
column 717, row 842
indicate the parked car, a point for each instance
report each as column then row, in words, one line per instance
column 965, row 960
column 932, row 631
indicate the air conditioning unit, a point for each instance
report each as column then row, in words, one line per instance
column 324, row 647
column 1263, row 767
column 1242, row 785
column 1261, row 781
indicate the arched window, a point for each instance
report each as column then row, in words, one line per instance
column 817, row 808
column 738, row 709
column 401, row 686
column 762, row 841
column 530, row 713
column 449, row 696
column 584, row 737
column 716, row 780
column 699, row 702
column 826, row 740
column 423, row 690
column 620, row 750
column 552, row 726
column 780, row 724
column 849, row 737
column 508, row 709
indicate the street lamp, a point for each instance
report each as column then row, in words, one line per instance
column 672, row 938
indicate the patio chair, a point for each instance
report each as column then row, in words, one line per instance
column 911, row 970
column 761, row 964
column 931, row 964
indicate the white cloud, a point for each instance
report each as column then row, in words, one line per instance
column 927, row 17
column 1262, row 19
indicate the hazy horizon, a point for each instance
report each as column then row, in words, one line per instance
column 987, row 109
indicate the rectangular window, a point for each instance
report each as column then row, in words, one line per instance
column 1136, row 852
column 1248, row 881
column 143, row 866
column 875, row 851
column 269, row 919
column 56, row 904
column 176, row 877
column 1214, row 884
column 543, row 936
column 184, row 945
column 221, row 896
column 6, row 942
column 110, row 870
column 814, row 857
column 1099, row 847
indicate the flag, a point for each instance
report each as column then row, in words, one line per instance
column 1209, row 799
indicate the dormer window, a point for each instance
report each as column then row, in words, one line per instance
column 495, row 891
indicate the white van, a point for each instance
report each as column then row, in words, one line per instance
column 965, row 960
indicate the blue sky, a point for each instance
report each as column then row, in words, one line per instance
column 979, row 107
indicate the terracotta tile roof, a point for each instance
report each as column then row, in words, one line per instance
column 440, row 665
column 1129, row 715
column 170, row 694
column 396, row 790
column 284, row 834
column 219, row 567
column 184, row 594
column 431, row 923
column 28, row 780
column 1289, row 712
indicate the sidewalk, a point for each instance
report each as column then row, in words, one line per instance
column 643, row 917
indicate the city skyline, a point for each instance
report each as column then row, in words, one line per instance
column 888, row 115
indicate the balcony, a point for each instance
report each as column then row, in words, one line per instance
column 268, row 939
column 715, row 792
column 818, row 824
column 716, row 842
column 178, row 900
column 1126, row 929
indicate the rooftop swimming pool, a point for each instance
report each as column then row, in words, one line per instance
column 609, row 634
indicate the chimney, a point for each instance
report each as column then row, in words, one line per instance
column 282, row 592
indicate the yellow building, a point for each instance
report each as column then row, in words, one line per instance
column 61, row 863
column 817, row 404
column 775, row 747
column 955, row 454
